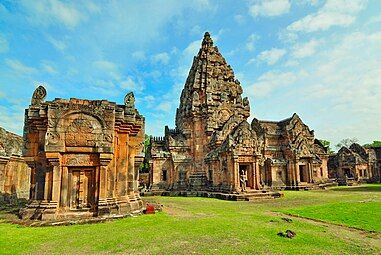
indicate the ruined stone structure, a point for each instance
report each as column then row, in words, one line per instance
column 14, row 172
column 215, row 148
column 356, row 164
column 82, row 155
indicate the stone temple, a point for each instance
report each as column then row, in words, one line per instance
column 82, row 155
column 356, row 164
column 215, row 148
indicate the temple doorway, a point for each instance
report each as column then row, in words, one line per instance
column 348, row 173
column 82, row 193
column 246, row 174
column 303, row 175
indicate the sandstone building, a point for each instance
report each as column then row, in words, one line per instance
column 356, row 164
column 82, row 155
column 14, row 172
column 215, row 148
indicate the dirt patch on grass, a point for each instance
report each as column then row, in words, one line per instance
column 183, row 213
column 351, row 234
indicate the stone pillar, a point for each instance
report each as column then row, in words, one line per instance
column 310, row 175
column 64, row 201
column 296, row 171
column 130, row 171
column 32, row 189
column 104, row 160
column 56, row 184
column 257, row 175
column 48, row 184
column 235, row 177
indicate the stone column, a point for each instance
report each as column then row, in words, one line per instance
column 48, row 184
column 64, row 188
column 257, row 175
column 32, row 189
column 309, row 175
column 130, row 171
column 236, row 181
column 56, row 182
column 104, row 160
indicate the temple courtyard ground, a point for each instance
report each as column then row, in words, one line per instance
column 342, row 220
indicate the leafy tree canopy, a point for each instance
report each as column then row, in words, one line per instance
column 327, row 144
column 347, row 142
column 374, row 144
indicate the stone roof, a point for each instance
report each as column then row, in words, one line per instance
column 211, row 91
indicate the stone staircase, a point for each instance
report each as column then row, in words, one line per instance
column 198, row 181
column 251, row 195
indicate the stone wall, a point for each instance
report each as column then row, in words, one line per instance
column 14, row 172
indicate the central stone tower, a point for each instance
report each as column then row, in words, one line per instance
column 211, row 96
column 214, row 148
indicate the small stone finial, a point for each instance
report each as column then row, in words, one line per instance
column 207, row 41
column 129, row 100
column 38, row 96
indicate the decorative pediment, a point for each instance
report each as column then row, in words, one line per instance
column 38, row 96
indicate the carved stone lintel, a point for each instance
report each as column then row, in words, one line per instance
column 54, row 161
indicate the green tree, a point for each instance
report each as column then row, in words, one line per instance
column 347, row 142
column 327, row 144
column 374, row 144
column 144, row 167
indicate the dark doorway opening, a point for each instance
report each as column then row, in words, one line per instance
column 348, row 173
column 164, row 176
column 303, row 176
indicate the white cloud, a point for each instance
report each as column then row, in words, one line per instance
column 269, row 81
column 306, row 49
column 130, row 84
column 12, row 118
column 270, row 8
column 192, row 49
column 333, row 13
column 58, row 44
column 4, row 46
column 19, row 67
column 47, row 12
column 240, row 19
column 162, row 58
column 108, row 67
column 308, row 2
column 92, row 7
column 251, row 41
column 185, row 60
column 48, row 67
column 342, row 87
column 195, row 30
column 139, row 55
column 271, row 56
column 165, row 107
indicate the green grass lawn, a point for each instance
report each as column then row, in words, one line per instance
column 361, row 209
column 210, row 226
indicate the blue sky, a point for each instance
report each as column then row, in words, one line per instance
column 320, row 59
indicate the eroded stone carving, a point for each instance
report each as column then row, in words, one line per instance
column 38, row 96
column 79, row 168
column 356, row 164
column 214, row 139
column 129, row 100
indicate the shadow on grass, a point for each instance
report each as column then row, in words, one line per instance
column 370, row 188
